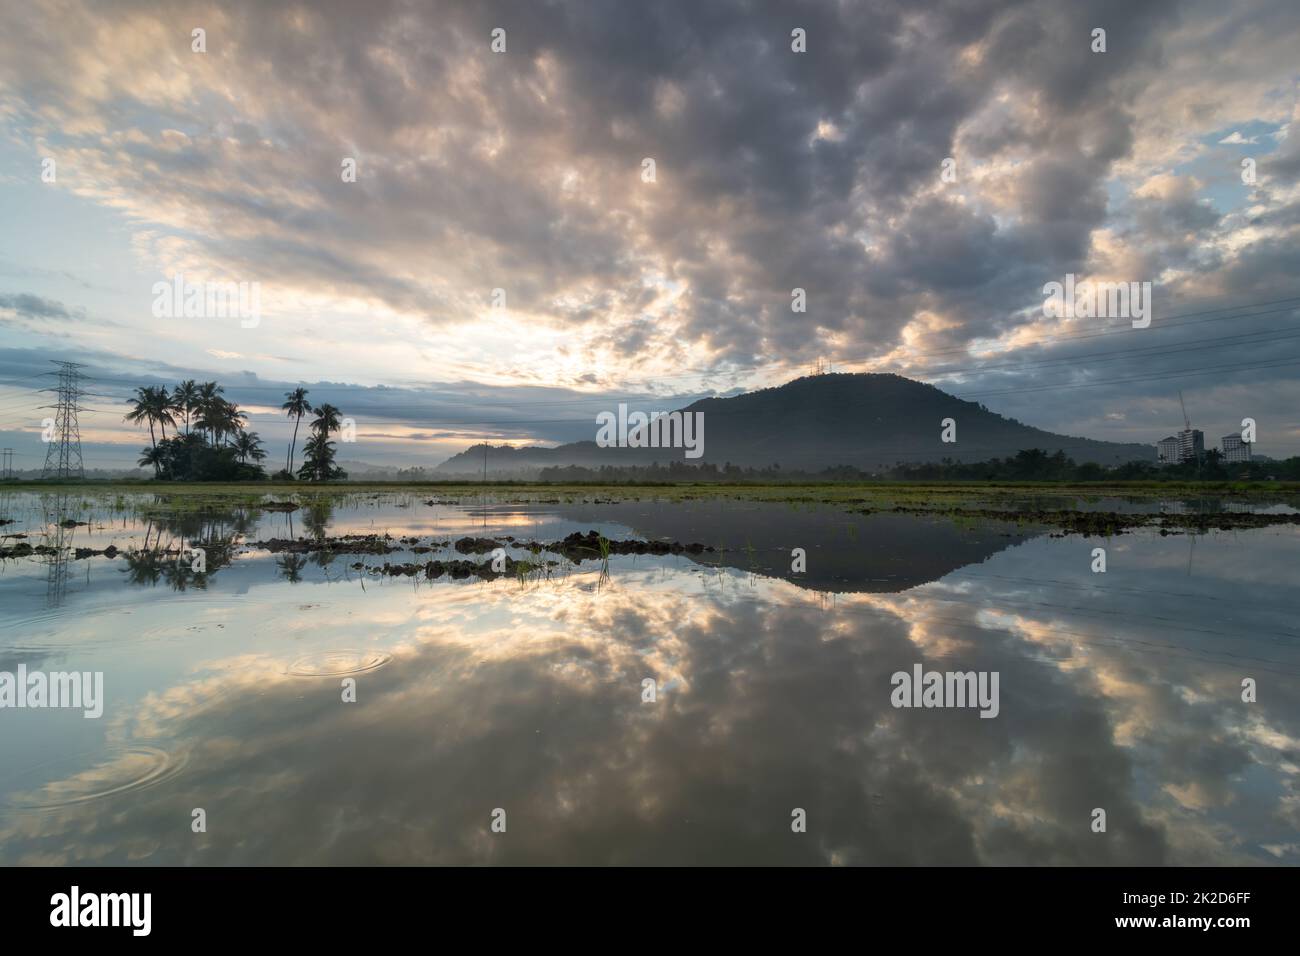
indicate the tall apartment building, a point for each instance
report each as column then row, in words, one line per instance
column 1191, row 444
column 1167, row 450
column 1234, row 449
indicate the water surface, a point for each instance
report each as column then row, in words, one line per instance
column 224, row 690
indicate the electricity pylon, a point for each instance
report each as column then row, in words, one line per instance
column 63, row 453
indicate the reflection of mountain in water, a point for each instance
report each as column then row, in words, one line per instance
column 1121, row 691
column 845, row 552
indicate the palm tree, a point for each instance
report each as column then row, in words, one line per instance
column 327, row 420
column 318, row 450
column 207, row 404
column 209, row 420
column 232, row 419
column 249, row 445
column 163, row 409
column 153, row 456
column 312, row 449
column 142, row 410
column 317, row 458
column 185, row 399
column 295, row 406
column 151, row 404
column 220, row 418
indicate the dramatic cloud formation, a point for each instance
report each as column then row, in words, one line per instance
column 522, row 171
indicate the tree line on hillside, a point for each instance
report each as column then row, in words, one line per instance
column 215, row 444
column 1033, row 464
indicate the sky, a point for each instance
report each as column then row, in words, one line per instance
column 128, row 157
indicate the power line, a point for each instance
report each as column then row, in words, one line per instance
column 1240, row 338
column 63, row 455
column 1195, row 345
column 1141, row 378
column 1191, row 345
column 1236, row 340
column 1205, row 315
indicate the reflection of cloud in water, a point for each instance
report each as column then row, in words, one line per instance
column 127, row 770
column 529, row 698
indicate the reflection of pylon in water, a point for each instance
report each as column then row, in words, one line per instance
column 63, row 456
column 59, row 540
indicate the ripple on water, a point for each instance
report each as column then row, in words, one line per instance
column 70, row 628
column 340, row 663
column 88, row 777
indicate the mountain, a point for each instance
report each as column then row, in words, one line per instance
column 868, row 421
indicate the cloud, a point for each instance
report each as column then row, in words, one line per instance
column 33, row 306
column 775, row 170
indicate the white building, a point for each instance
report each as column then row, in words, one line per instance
column 1167, row 450
column 1234, row 449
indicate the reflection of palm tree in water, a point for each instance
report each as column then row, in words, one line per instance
column 291, row 566
column 176, row 566
column 206, row 525
column 323, row 558
column 173, row 561
column 318, row 515
column 170, row 539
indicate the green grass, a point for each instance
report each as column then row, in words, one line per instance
column 172, row 497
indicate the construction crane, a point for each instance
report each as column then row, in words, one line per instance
column 1186, row 421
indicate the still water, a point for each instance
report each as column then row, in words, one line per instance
column 520, row 699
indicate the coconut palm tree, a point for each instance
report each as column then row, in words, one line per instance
column 318, row 450
column 232, row 419
column 313, row 449
column 327, row 420
column 163, row 409
column 151, row 404
column 317, row 458
column 185, row 399
column 142, row 410
column 295, row 406
column 207, row 405
column 153, row 456
column 209, row 420
column 220, row 418
column 248, row 445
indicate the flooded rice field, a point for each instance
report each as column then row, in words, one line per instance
column 395, row 678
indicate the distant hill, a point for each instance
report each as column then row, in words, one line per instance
column 867, row 421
